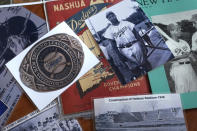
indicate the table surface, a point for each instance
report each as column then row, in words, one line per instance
column 87, row 124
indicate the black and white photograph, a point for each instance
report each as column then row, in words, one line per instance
column 180, row 32
column 162, row 112
column 128, row 39
column 48, row 119
column 19, row 28
column 14, row 39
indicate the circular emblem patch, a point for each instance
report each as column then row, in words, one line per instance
column 52, row 63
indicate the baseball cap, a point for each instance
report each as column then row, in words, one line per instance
column 194, row 17
column 171, row 27
column 109, row 13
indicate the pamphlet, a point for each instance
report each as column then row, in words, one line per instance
column 179, row 75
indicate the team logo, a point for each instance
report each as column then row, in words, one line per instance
column 52, row 63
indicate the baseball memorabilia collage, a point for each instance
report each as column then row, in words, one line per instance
column 100, row 81
column 103, row 65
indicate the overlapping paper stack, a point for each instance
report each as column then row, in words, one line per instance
column 69, row 65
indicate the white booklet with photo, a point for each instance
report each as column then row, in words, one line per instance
column 128, row 39
column 51, row 65
column 179, row 29
column 162, row 112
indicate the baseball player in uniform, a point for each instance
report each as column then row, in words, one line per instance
column 122, row 32
column 181, row 70
column 119, row 61
column 175, row 44
column 183, row 75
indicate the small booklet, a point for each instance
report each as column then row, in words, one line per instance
column 46, row 120
column 178, row 27
column 51, row 65
column 128, row 40
column 160, row 112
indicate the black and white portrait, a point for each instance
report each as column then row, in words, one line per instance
column 128, row 40
column 180, row 32
column 18, row 29
column 139, row 113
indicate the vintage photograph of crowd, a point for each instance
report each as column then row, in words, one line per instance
column 139, row 113
column 128, row 40
column 46, row 120
column 180, row 33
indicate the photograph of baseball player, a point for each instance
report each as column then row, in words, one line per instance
column 15, row 39
column 179, row 30
column 128, row 40
column 181, row 74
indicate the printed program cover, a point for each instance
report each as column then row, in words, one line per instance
column 162, row 112
column 128, row 39
column 176, row 22
column 31, row 26
column 100, row 81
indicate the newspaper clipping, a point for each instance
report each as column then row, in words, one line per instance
column 45, row 120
